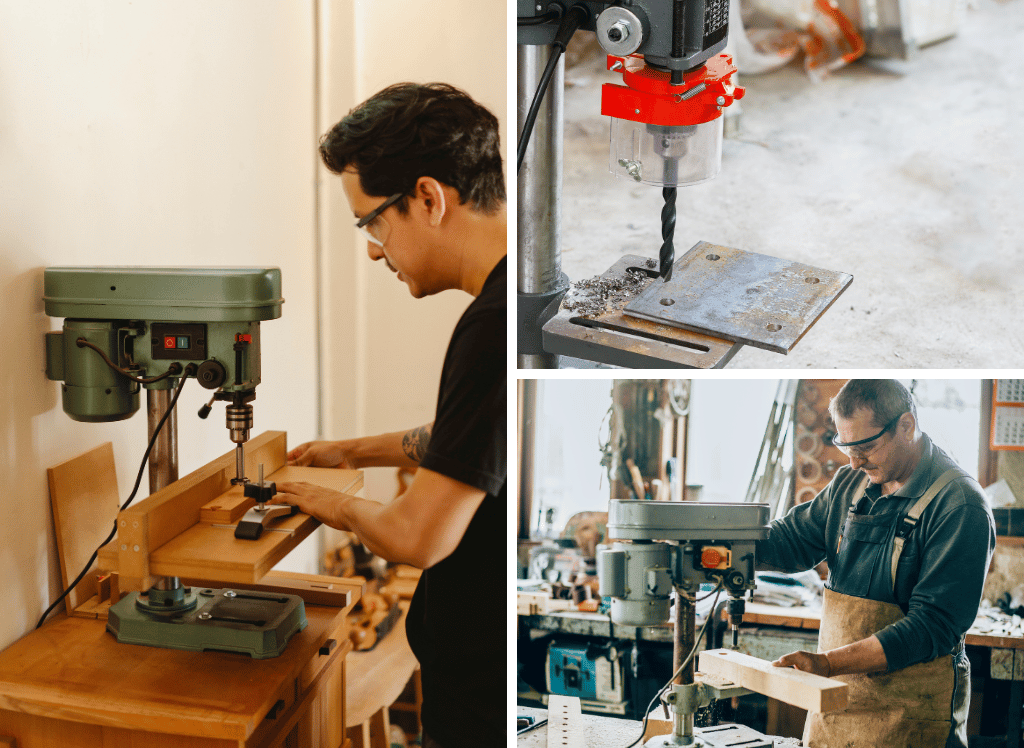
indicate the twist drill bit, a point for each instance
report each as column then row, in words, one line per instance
column 667, row 255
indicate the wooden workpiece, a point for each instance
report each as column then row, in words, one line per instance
column 187, row 529
column 805, row 690
column 565, row 722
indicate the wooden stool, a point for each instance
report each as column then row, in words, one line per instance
column 374, row 681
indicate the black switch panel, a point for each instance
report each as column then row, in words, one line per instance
column 178, row 341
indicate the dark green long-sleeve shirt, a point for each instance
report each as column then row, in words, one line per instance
column 941, row 571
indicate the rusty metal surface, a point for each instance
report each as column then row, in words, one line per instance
column 749, row 298
column 611, row 337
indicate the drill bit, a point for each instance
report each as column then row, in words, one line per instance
column 667, row 255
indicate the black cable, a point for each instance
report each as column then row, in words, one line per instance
column 537, row 20
column 571, row 21
column 135, row 490
column 647, row 712
column 172, row 371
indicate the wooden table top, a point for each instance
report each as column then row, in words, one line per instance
column 73, row 669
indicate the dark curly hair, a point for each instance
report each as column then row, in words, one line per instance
column 412, row 130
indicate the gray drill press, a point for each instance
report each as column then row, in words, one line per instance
column 665, row 545
column 666, row 129
column 133, row 328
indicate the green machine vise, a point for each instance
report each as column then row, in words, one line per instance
column 149, row 322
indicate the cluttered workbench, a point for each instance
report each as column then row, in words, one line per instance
column 769, row 631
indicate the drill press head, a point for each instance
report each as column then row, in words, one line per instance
column 149, row 323
column 666, row 127
column 676, row 544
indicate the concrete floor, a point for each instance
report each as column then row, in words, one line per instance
column 909, row 176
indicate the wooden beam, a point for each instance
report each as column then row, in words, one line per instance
column 314, row 589
column 805, row 690
column 565, row 722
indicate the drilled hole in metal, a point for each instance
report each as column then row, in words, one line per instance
column 712, row 257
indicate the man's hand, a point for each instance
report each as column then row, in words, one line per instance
column 808, row 662
column 338, row 454
column 322, row 503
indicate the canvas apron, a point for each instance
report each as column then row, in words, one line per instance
column 908, row 708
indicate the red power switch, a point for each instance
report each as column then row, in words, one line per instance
column 715, row 558
column 170, row 341
column 243, row 338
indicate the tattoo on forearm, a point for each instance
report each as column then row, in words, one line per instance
column 415, row 442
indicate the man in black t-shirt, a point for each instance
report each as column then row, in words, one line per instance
column 422, row 171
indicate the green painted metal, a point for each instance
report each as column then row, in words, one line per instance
column 173, row 294
column 127, row 312
column 258, row 624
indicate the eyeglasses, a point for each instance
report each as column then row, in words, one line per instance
column 373, row 226
column 854, row 449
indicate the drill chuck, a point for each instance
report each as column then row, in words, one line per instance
column 239, row 422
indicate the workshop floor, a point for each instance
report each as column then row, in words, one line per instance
column 908, row 176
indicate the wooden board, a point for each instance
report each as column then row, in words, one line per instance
column 83, row 494
column 168, row 513
column 213, row 552
column 314, row 589
column 565, row 722
column 805, row 690
column 774, row 615
column 229, row 507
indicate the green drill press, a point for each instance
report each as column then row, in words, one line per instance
column 133, row 328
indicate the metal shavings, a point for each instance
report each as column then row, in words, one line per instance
column 652, row 263
column 593, row 296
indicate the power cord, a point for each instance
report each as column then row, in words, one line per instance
column 571, row 21
column 647, row 712
column 172, row 371
column 537, row 20
column 189, row 371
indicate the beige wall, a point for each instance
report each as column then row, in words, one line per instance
column 183, row 133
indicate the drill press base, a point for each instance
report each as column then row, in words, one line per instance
column 258, row 624
column 721, row 736
column 611, row 337
column 749, row 298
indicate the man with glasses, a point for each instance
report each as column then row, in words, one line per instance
column 908, row 537
column 422, row 171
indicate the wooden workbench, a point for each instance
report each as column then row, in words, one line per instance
column 71, row 684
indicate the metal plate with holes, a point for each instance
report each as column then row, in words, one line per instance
column 741, row 296
column 615, row 339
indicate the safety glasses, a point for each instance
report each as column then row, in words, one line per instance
column 857, row 448
column 373, row 226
